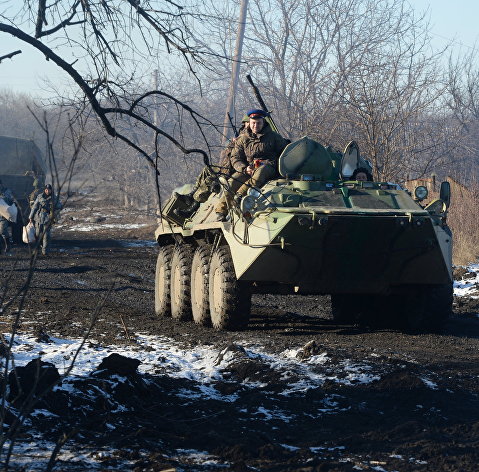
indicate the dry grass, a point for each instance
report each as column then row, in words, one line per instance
column 464, row 222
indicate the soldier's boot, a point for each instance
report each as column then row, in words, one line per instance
column 5, row 244
column 215, row 186
column 189, row 210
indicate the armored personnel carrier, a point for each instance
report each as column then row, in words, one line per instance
column 381, row 256
column 23, row 171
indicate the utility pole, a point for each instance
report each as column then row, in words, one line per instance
column 235, row 70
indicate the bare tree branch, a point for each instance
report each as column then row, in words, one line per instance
column 9, row 56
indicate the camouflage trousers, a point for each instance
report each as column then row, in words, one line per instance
column 3, row 227
column 205, row 182
column 4, row 236
column 240, row 183
column 43, row 233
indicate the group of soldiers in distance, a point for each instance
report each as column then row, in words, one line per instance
column 249, row 160
column 43, row 206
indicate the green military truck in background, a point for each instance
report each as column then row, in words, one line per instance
column 22, row 170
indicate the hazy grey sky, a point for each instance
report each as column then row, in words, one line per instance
column 450, row 20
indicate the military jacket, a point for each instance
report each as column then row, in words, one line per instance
column 42, row 210
column 7, row 196
column 225, row 158
column 250, row 146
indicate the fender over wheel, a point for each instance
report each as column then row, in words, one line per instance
column 181, row 282
column 229, row 299
column 162, row 281
column 200, row 305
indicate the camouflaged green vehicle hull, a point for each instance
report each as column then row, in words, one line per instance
column 382, row 257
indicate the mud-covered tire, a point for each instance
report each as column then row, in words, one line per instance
column 427, row 309
column 229, row 299
column 200, row 305
column 162, row 281
column 345, row 308
column 181, row 282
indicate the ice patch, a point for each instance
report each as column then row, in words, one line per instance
column 84, row 228
column 432, row 385
column 137, row 243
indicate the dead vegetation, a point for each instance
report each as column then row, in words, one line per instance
column 463, row 220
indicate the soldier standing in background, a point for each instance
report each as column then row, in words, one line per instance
column 42, row 215
column 36, row 191
column 7, row 196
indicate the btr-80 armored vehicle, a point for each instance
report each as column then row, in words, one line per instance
column 370, row 245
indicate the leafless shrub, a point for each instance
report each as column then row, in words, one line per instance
column 463, row 220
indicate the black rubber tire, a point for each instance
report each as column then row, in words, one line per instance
column 426, row 309
column 229, row 299
column 181, row 282
column 345, row 308
column 200, row 305
column 162, row 281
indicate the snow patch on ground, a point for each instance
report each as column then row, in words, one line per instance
column 99, row 226
column 203, row 364
column 468, row 287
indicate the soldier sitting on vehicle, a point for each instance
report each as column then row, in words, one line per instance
column 7, row 196
column 207, row 182
column 253, row 158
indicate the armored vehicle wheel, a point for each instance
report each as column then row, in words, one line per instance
column 345, row 308
column 200, row 306
column 181, row 282
column 162, row 281
column 230, row 300
column 429, row 308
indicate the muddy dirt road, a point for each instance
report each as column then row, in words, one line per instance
column 294, row 392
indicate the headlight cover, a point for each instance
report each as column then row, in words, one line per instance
column 421, row 192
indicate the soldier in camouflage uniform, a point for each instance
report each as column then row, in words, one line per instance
column 42, row 214
column 253, row 159
column 7, row 196
column 36, row 191
column 207, row 182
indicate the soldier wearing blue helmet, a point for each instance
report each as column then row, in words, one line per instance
column 253, row 158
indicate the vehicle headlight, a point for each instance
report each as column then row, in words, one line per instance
column 254, row 192
column 247, row 204
column 421, row 192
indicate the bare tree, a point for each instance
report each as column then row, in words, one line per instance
column 103, row 46
column 354, row 69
